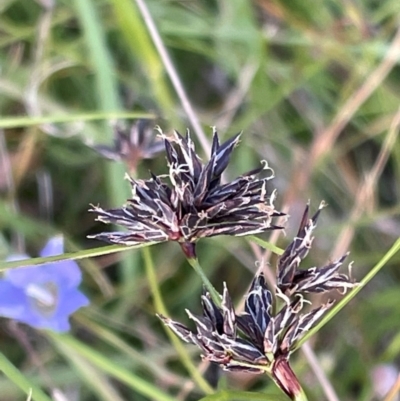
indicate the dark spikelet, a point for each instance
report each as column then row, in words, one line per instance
column 292, row 280
column 250, row 341
column 298, row 327
column 133, row 145
column 194, row 204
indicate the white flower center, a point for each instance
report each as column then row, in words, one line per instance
column 44, row 297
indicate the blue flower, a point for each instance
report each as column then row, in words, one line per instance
column 43, row 296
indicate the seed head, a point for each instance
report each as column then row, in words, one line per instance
column 292, row 280
column 250, row 341
column 195, row 203
column 133, row 145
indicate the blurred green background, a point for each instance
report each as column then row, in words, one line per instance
column 315, row 88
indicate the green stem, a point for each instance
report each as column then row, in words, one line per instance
column 128, row 278
column 302, row 396
column 194, row 262
column 86, row 253
column 234, row 395
column 161, row 309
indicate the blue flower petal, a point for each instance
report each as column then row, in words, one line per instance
column 54, row 323
column 60, row 325
column 70, row 301
column 14, row 302
column 66, row 273
column 57, row 323
column 23, row 276
column 63, row 277
column 53, row 247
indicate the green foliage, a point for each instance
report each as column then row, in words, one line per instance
column 315, row 88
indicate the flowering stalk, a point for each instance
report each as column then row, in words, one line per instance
column 161, row 308
column 194, row 262
column 262, row 339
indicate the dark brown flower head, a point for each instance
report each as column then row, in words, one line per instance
column 133, row 145
column 254, row 340
column 194, row 204
column 293, row 280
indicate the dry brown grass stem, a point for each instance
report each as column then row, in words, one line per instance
column 25, row 342
column 7, row 184
column 324, row 141
column 189, row 384
column 365, row 195
column 319, row 373
column 236, row 96
column 173, row 75
column 32, row 103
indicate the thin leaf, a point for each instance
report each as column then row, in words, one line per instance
column 107, row 365
column 21, row 381
column 137, row 357
column 266, row 245
column 87, row 253
column 95, row 380
column 137, row 38
column 161, row 308
column 15, row 122
column 244, row 396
